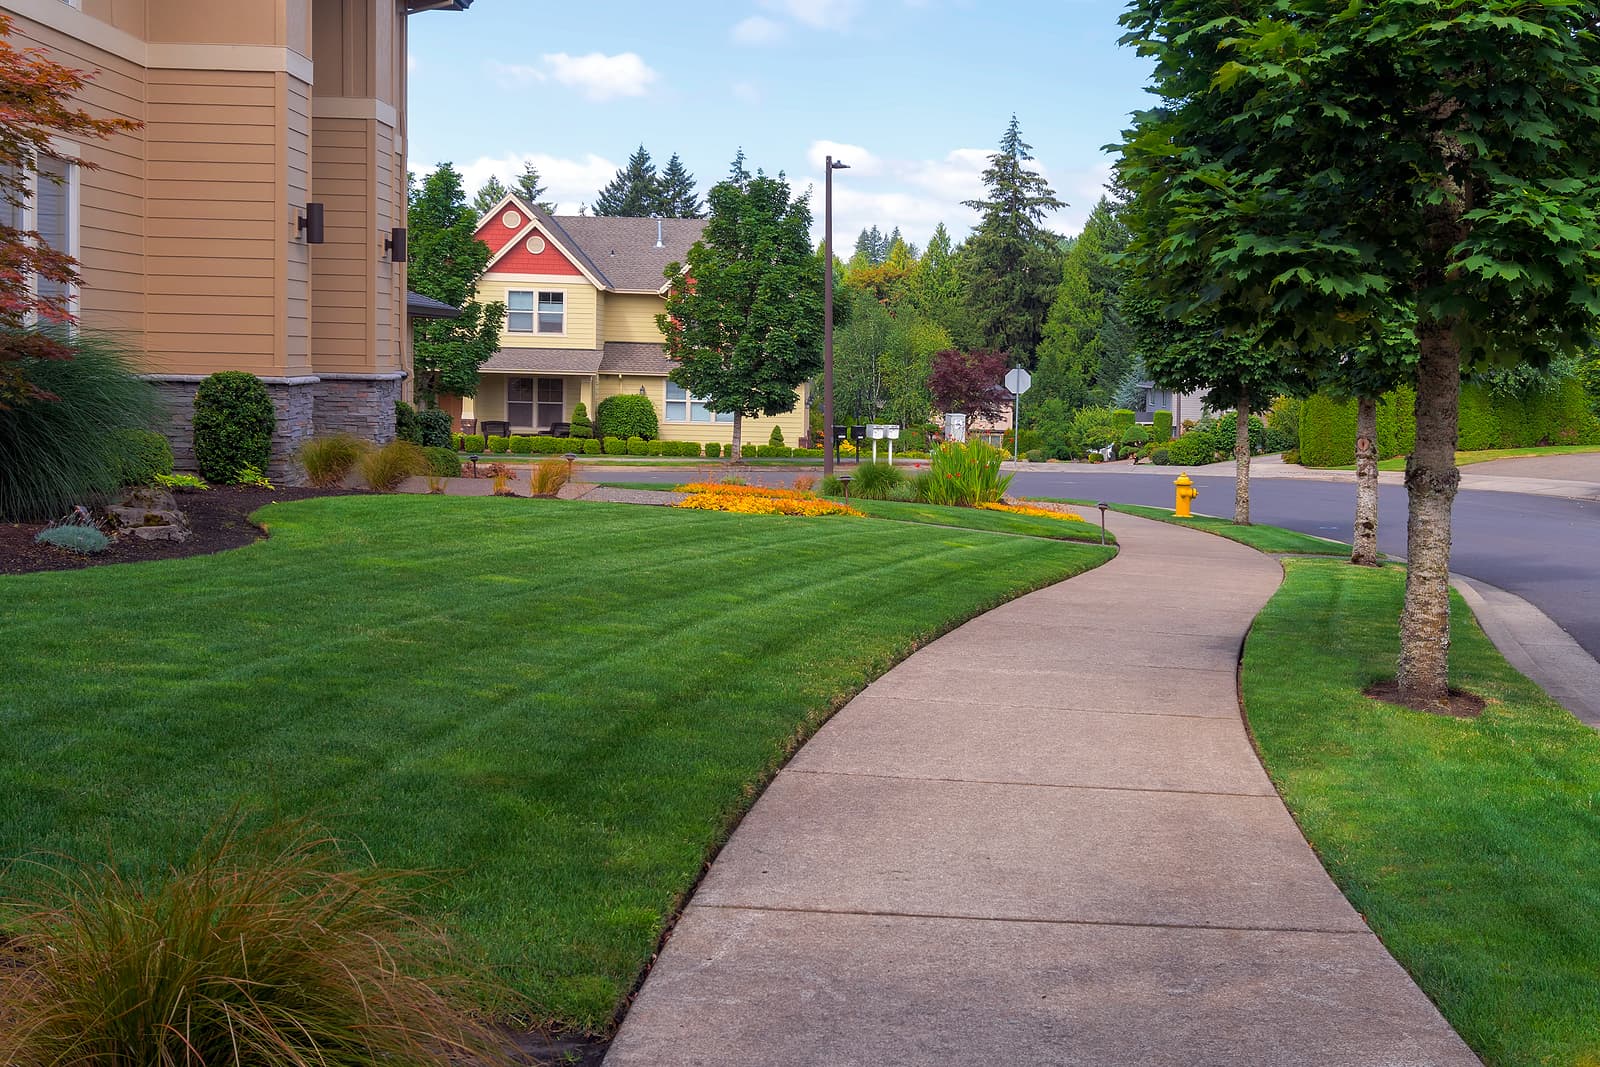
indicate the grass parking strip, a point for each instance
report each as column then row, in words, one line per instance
column 561, row 707
column 1470, row 845
column 1271, row 539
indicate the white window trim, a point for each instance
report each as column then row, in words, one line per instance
column 688, row 402
column 537, row 293
column 29, row 219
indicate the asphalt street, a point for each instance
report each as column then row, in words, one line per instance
column 1544, row 549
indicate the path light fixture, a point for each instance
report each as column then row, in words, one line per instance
column 844, row 480
column 570, row 457
column 474, row 461
column 1102, row 507
column 827, row 314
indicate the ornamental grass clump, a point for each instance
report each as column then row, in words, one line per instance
column 385, row 468
column 549, row 476
column 964, row 475
column 876, row 481
column 268, row 950
column 328, row 460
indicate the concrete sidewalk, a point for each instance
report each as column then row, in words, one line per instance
column 1044, row 839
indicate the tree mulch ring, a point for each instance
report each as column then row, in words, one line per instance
column 1461, row 704
column 219, row 519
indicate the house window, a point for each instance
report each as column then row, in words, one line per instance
column 553, row 312
column 552, row 402
column 52, row 212
column 683, row 406
column 519, row 311
column 528, row 397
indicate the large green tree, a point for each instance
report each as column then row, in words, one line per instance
column 635, row 192
column 678, row 197
column 1013, row 261
column 1313, row 162
column 530, row 189
column 489, row 194
column 446, row 262
column 744, row 314
column 935, row 292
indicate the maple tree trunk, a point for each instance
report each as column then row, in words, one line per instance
column 1241, row 463
column 1365, row 550
column 1431, row 482
column 738, row 427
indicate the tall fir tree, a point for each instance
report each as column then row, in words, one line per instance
column 446, row 262
column 935, row 291
column 679, row 199
column 1012, row 256
column 1086, row 349
column 530, row 188
column 489, row 194
column 634, row 193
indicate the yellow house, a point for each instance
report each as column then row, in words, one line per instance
column 255, row 221
column 582, row 294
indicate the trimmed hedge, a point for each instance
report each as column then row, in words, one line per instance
column 141, row 455
column 233, row 426
column 638, row 446
column 433, row 428
column 627, row 415
column 1559, row 415
column 521, row 445
column 581, row 426
column 499, row 444
column 713, row 450
column 442, row 461
column 616, row 446
column 1161, row 425
column 592, row 447
column 406, row 426
column 1122, row 418
column 474, row 442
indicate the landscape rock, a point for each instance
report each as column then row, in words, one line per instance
column 161, row 533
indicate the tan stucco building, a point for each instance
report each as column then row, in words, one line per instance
column 193, row 234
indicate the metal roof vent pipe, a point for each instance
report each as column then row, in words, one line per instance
column 659, row 242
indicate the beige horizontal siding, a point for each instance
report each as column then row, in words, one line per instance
column 631, row 317
column 753, row 431
column 582, row 307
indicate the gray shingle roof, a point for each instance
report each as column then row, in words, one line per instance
column 546, row 360
column 419, row 306
column 623, row 252
column 632, row 357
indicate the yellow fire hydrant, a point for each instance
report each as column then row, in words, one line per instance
column 1186, row 494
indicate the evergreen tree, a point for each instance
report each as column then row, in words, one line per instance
column 1012, row 256
column 935, row 290
column 531, row 190
column 744, row 320
column 446, row 262
column 737, row 172
column 491, row 193
column 634, row 193
column 679, row 198
column 1086, row 349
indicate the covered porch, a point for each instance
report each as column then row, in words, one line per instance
column 532, row 390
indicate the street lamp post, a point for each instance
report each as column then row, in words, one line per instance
column 827, row 314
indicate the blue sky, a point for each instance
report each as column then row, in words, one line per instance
column 913, row 93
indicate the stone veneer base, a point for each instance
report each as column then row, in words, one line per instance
column 359, row 404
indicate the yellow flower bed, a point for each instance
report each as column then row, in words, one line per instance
column 786, row 502
column 1023, row 509
column 743, row 490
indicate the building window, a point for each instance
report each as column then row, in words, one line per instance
column 530, row 397
column 552, row 402
column 52, row 211
column 519, row 312
column 553, row 312
column 683, row 406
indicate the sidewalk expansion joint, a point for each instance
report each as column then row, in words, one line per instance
column 1231, row 713
column 1029, row 785
column 1113, row 923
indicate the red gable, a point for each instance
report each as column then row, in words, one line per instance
column 524, row 260
column 499, row 229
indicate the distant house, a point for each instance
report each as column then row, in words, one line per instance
column 582, row 294
column 251, row 223
column 1152, row 398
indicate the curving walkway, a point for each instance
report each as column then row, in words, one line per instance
column 1043, row 839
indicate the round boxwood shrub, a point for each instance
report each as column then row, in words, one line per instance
column 628, row 415
column 713, row 450
column 616, row 446
column 592, row 447
column 473, row 442
column 142, row 454
column 233, row 426
column 638, row 446
column 444, row 462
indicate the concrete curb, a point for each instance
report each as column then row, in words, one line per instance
column 1534, row 644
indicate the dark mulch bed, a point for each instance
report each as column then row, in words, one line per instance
column 219, row 520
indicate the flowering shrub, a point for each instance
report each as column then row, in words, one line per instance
column 1037, row 512
column 757, row 500
column 964, row 475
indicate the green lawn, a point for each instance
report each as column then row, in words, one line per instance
column 981, row 519
column 1264, row 538
column 561, row 706
column 1470, row 846
column 1465, row 459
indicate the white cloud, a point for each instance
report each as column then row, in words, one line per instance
column 859, row 159
column 597, row 75
column 818, row 14
column 757, row 30
column 568, row 182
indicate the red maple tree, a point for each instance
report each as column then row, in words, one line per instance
column 970, row 382
column 36, row 106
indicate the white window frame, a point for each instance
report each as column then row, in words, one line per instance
column 533, row 313
column 538, row 325
column 28, row 219
column 689, row 400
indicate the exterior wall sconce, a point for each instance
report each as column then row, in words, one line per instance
column 641, row 391
column 395, row 245
column 311, row 224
